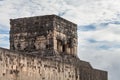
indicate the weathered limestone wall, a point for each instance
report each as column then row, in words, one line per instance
column 92, row 74
column 65, row 36
column 43, row 33
column 15, row 66
column 19, row 66
column 31, row 34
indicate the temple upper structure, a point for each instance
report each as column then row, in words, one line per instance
column 43, row 33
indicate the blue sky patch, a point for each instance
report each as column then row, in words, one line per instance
column 105, row 47
column 91, row 40
column 104, row 24
column 90, row 27
column 4, row 32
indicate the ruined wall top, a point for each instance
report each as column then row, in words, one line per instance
column 41, row 19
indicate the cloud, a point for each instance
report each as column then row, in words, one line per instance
column 80, row 12
column 108, row 33
column 95, row 10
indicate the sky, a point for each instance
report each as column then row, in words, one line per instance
column 98, row 27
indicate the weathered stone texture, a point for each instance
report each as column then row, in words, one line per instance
column 44, row 48
column 43, row 33
column 19, row 66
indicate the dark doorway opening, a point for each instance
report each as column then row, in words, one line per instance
column 63, row 48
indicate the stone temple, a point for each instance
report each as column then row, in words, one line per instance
column 44, row 48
